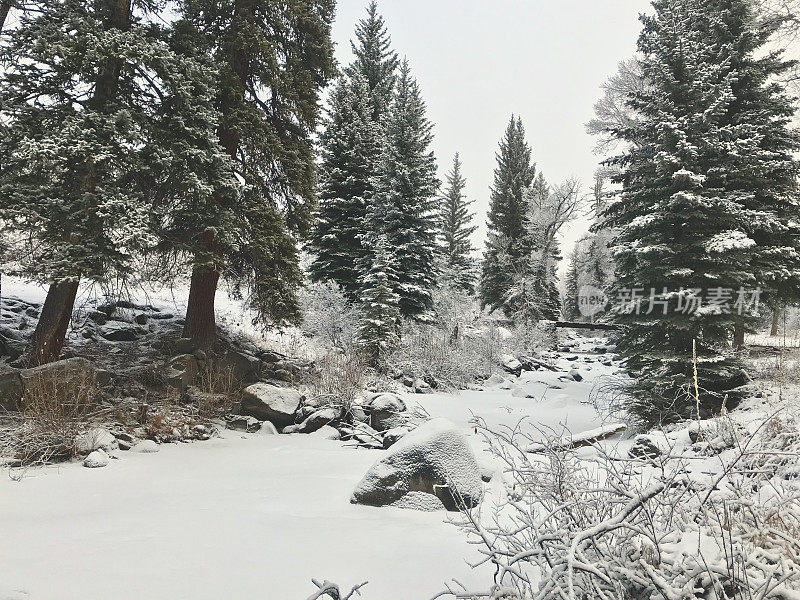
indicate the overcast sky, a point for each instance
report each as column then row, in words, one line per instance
column 479, row 61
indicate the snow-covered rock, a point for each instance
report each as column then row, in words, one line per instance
column 96, row 459
column 385, row 410
column 327, row 432
column 511, row 364
column 575, row 374
column 269, row 402
column 319, row 418
column 435, row 458
column 145, row 447
column 267, row 428
column 495, row 379
column 95, row 439
column 421, row 386
column 117, row 331
column 393, row 435
column 243, row 423
column 364, row 435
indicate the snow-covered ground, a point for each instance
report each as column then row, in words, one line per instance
column 256, row 516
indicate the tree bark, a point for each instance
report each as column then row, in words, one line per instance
column 51, row 330
column 201, row 324
column 776, row 317
column 48, row 339
column 738, row 335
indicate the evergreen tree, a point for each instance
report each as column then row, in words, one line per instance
column 404, row 210
column 379, row 304
column 456, row 229
column 570, row 309
column 375, row 61
column 272, row 60
column 351, row 147
column 508, row 245
column 708, row 199
column 76, row 163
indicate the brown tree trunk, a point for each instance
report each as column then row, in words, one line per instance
column 48, row 339
column 776, row 317
column 200, row 323
column 51, row 330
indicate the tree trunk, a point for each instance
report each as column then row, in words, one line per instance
column 200, row 319
column 776, row 317
column 51, row 330
column 738, row 335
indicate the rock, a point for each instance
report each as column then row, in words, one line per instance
column 495, row 379
column 575, row 374
column 10, row 390
column 392, row 436
column 267, row 428
column 141, row 319
column 291, row 429
column 511, row 364
column 644, row 448
column 271, row 403
column 320, row 418
column 243, row 423
column 421, row 386
column 327, row 432
column 184, row 345
column 95, row 439
column 419, row 501
column 384, row 410
column 96, row 459
column 145, row 447
column 182, row 370
column 364, row 435
column 435, row 458
column 244, row 366
column 116, row 331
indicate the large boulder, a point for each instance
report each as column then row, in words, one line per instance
column 243, row 366
column 385, row 411
column 320, row 418
column 269, row 402
column 117, row 331
column 435, row 458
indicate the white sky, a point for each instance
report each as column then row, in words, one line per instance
column 479, row 61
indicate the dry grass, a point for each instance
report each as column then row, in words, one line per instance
column 55, row 408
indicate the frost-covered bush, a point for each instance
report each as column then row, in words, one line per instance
column 711, row 514
column 328, row 315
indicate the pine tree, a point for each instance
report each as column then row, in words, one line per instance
column 379, row 305
column 570, row 309
column 456, row 229
column 375, row 61
column 404, row 210
column 508, row 245
column 351, row 147
column 76, row 163
column 271, row 60
column 709, row 194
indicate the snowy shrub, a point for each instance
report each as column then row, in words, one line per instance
column 328, row 315
column 338, row 380
column 55, row 408
column 717, row 518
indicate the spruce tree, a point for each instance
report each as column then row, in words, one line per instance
column 508, row 245
column 456, row 229
column 708, row 199
column 272, row 60
column 379, row 304
column 571, row 288
column 375, row 61
column 76, row 163
column 351, row 147
column 404, row 210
